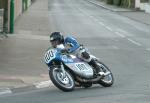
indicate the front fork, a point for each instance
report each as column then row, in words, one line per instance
column 63, row 70
column 59, row 68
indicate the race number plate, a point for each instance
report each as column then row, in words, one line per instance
column 81, row 66
column 50, row 55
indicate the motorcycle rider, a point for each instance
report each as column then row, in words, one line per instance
column 57, row 40
column 70, row 45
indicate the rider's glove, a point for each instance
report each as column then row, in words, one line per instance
column 64, row 51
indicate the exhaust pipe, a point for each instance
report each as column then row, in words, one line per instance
column 94, row 79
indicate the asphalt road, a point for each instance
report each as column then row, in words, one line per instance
column 121, row 43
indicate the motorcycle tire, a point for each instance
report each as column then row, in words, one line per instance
column 55, row 76
column 102, row 81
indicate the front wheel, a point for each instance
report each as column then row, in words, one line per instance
column 108, row 79
column 63, row 80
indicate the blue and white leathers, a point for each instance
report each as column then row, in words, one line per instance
column 75, row 48
column 72, row 62
column 73, row 43
column 65, row 70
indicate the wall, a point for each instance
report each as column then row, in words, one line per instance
column 4, row 5
column 29, row 3
column 18, row 8
column 145, row 5
column 26, row 4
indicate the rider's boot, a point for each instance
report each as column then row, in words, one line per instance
column 86, row 56
column 96, row 67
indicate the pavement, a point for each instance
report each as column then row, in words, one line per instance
column 21, row 53
column 137, row 15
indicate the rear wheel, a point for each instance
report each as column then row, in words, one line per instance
column 64, row 81
column 108, row 79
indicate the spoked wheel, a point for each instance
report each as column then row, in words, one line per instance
column 64, row 81
column 108, row 79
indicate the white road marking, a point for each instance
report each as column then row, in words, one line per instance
column 104, row 47
column 115, row 47
column 110, row 29
column 101, row 23
column 134, row 42
column 5, row 91
column 148, row 49
column 83, row 12
column 91, row 16
column 122, row 31
column 43, row 84
column 95, row 19
column 119, row 34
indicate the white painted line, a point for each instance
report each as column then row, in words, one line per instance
column 91, row 16
column 119, row 34
column 115, row 47
column 104, row 47
column 110, row 29
column 96, row 19
column 5, row 91
column 101, row 23
column 122, row 31
column 101, row 19
column 83, row 12
column 148, row 61
column 134, row 42
column 43, row 84
column 148, row 49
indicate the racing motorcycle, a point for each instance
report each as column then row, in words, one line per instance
column 66, row 71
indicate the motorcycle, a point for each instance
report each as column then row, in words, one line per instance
column 66, row 71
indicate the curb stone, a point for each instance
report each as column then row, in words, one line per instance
column 40, row 85
column 5, row 91
column 43, row 84
column 109, row 8
column 117, row 10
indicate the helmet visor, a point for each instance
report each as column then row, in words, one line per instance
column 54, row 43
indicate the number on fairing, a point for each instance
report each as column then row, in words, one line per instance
column 49, row 56
column 81, row 66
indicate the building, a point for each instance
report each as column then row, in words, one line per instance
column 4, row 7
column 12, row 10
column 147, row 7
column 143, row 5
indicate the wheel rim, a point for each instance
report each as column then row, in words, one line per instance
column 108, row 78
column 65, row 80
